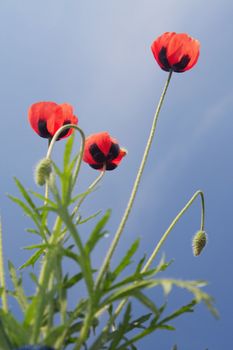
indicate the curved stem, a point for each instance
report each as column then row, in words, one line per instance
column 177, row 218
column 79, row 160
column 125, row 216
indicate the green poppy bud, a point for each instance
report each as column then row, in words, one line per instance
column 43, row 171
column 199, row 242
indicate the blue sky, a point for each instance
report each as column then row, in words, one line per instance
column 96, row 55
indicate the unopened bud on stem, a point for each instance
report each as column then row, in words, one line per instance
column 199, row 242
column 43, row 171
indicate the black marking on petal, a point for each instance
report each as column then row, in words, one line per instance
column 110, row 166
column 113, row 151
column 65, row 132
column 97, row 166
column 42, row 129
column 163, row 59
column 97, row 154
column 182, row 64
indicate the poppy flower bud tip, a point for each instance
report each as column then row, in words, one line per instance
column 43, row 171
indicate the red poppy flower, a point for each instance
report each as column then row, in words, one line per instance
column 177, row 52
column 102, row 150
column 47, row 117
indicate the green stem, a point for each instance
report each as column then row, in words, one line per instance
column 2, row 274
column 56, row 136
column 47, row 267
column 125, row 216
column 177, row 218
column 85, row 329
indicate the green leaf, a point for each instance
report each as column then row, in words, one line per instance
column 123, row 328
column 138, row 323
column 97, row 233
column 25, row 194
column 89, row 217
column 34, row 231
column 126, row 259
column 16, row 332
column 26, row 209
column 5, row 343
column 44, row 199
column 175, row 314
column 53, row 335
column 19, row 292
column 33, row 259
column 35, row 246
column 146, row 302
column 73, row 280
column 70, row 254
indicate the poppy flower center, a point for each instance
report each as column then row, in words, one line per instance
column 65, row 132
column 100, row 157
column 176, row 66
column 42, row 128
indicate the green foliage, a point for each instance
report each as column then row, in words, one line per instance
column 48, row 317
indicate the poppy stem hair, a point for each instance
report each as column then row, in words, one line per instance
column 125, row 216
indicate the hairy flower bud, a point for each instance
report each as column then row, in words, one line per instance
column 43, row 171
column 199, row 242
